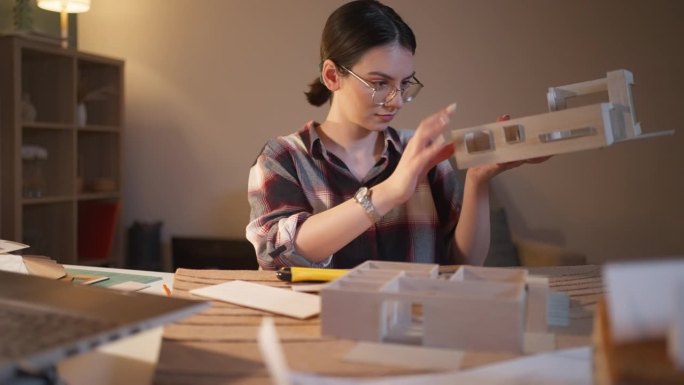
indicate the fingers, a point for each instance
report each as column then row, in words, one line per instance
column 428, row 146
column 430, row 132
column 445, row 114
column 433, row 125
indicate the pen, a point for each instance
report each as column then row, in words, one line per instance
column 299, row 274
column 166, row 290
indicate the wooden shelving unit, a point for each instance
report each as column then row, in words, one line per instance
column 68, row 105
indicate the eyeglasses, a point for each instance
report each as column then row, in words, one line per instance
column 383, row 93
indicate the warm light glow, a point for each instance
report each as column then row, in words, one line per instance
column 69, row 6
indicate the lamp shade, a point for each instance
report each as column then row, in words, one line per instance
column 68, row 6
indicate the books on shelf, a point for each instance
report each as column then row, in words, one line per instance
column 96, row 229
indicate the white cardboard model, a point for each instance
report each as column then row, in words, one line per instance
column 561, row 130
column 478, row 308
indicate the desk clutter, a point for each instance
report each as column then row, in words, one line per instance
column 367, row 332
column 46, row 267
column 220, row 345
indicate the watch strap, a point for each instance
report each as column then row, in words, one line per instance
column 362, row 197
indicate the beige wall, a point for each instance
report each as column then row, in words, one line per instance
column 209, row 81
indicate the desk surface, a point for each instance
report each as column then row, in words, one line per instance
column 219, row 345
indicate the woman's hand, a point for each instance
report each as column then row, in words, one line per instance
column 484, row 173
column 424, row 150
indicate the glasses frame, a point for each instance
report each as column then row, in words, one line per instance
column 393, row 91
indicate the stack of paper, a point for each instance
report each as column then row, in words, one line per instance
column 28, row 264
column 11, row 262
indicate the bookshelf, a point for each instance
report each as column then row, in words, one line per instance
column 61, row 115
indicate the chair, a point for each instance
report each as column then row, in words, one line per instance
column 508, row 251
column 212, row 253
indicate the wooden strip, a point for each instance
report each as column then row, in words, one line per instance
column 237, row 333
column 245, row 275
column 241, row 320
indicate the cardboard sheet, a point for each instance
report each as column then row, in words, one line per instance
column 262, row 297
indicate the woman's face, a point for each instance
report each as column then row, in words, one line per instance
column 391, row 66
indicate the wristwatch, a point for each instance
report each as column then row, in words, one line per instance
column 362, row 197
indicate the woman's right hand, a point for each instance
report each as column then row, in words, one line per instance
column 424, row 150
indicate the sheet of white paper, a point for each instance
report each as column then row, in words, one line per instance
column 262, row 297
column 642, row 297
column 272, row 352
column 13, row 263
column 418, row 357
column 130, row 286
column 7, row 247
column 562, row 367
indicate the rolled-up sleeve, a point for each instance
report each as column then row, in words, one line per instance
column 278, row 207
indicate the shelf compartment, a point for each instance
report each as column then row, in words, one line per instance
column 47, row 84
column 49, row 230
column 56, row 174
column 98, row 162
column 99, row 91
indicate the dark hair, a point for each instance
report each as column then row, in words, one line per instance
column 353, row 29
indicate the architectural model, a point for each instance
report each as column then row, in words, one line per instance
column 477, row 308
column 563, row 129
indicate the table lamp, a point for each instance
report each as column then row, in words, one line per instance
column 64, row 7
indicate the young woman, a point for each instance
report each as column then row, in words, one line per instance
column 352, row 188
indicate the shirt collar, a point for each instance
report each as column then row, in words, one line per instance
column 315, row 146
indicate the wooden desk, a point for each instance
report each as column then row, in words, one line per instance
column 219, row 345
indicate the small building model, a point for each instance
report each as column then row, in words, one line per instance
column 478, row 308
column 567, row 127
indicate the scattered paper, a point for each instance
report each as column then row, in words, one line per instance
column 12, row 263
column 7, row 247
column 262, row 297
column 562, row 367
column 42, row 266
column 129, row 286
column 272, row 352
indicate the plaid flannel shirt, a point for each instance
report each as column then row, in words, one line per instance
column 294, row 177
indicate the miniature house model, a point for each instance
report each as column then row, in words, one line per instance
column 478, row 308
column 567, row 127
